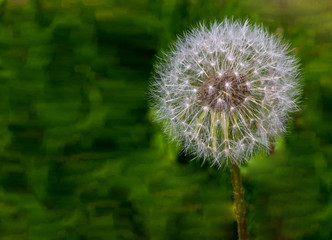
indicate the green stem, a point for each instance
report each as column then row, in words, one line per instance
column 240, row 209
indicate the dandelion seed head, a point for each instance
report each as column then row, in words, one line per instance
column 225, row 89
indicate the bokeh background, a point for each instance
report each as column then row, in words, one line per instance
column 80, row 158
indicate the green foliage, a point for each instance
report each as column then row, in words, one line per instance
column 80, row 158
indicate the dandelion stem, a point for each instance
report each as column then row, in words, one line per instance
column 240, row 209
column 271, row 147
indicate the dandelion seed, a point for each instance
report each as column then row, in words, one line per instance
column 238, row 82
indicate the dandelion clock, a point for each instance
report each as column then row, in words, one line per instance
column 224, row 92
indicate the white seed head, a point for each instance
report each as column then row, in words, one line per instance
column 225, row 89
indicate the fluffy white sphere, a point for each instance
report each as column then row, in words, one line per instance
column 225, row 90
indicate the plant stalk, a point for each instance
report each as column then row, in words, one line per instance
column 240, row 209
column 271, row 147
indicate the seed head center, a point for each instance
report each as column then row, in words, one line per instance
column 225, row 92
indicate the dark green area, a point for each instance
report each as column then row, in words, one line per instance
column 80, row 158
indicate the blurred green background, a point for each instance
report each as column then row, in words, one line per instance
column 80, row 158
